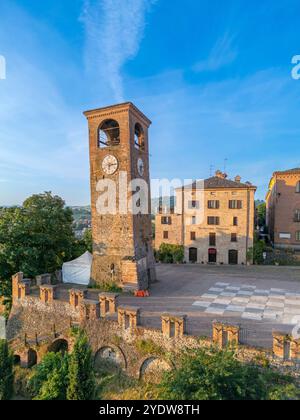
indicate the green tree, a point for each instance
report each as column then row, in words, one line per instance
column 6, row 372
column 50, row 378
column 261, row 214
column 82, row 384
column 84, row 244
column 218, row 375
column 258, row 251
column 35, row 238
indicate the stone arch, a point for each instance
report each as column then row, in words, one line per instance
column 112, row 354
column 17, row 360
column 26, row 358
column 32, row 358
column 139, row 137
column 59, row 345
column 152, row 369
column 108, row 134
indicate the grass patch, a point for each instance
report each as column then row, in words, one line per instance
column 148, row 347
column 107, row 288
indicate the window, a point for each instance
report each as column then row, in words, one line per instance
column 194, row 220
column 212, row 239
column 193, row 205
column 298, row 187
column 233, row 237
column 298, row 236
column 166, row 220
column 297, row 216
column 193, row 236
column 235, row 204
column 212, row 220
column 166, row 235
column 213, row 204
column 235, row 221
column 109, row 134
column 139, row 138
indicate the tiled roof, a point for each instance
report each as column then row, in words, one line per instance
column 217, row 182
column 288, row 171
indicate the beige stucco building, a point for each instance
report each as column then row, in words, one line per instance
column 283, row 209
column 214, row 221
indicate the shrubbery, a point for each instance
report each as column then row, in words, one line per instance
column 6, row 371
column 170, row 254
column 218, row 375
column 65, row 377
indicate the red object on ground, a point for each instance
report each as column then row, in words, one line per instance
column 142, row 293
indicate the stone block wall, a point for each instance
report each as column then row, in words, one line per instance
column 37, row 325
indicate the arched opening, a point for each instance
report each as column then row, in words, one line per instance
column 193, row 255
column 17, row 360
column 109, row 134
column 153, row 369
column 233, row 257
column 139, row 137
column 32, row 358
column 212, row 256
column 109, row 358
column 60, row 345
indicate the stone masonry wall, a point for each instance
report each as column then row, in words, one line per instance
column 115, row 333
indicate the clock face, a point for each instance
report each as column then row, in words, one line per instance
column 110, row 165
column 141, row 167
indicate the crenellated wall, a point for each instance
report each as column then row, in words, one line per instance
column 40, row 322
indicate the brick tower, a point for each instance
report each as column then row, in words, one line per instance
column 122, row 239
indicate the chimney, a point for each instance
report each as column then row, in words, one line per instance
column 221, row 175
column 237, row 178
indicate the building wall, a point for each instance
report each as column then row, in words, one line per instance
column 244, row 231
column 282, row 202
column 180, row 235
column 174, row 230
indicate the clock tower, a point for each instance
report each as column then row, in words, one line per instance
column 122, row 238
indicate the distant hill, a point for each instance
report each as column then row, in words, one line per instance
column 84, row 212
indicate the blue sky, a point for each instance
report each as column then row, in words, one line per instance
column 213, row 76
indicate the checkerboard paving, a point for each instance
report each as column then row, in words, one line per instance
column 251, row 303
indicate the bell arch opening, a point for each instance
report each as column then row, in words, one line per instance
column 108, row 134
column 139, row 137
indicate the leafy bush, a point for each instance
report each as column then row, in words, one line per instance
column 218, row 375
column 49, row 380
column 65, row 377
column 170, row 254
column 107, row 288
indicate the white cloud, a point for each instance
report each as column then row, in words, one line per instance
column 222, row 54
column 114, row 30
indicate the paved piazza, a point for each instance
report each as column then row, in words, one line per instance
column 260, row 299
column 250, row 302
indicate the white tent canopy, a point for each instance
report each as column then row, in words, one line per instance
column 78, row 271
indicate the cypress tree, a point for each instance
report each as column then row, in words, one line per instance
column 6, row 372
column 81, row 371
